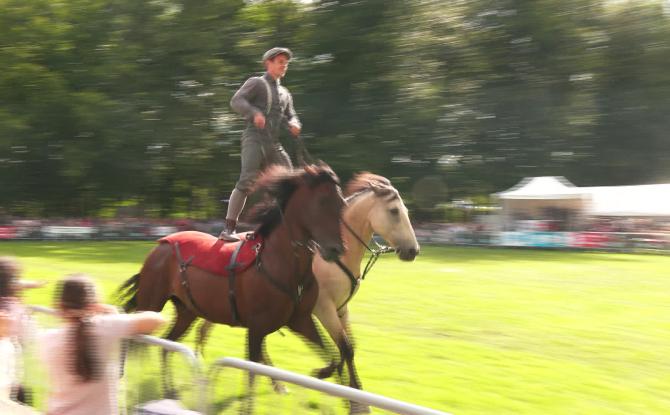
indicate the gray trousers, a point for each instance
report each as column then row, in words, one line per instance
column 258, row 152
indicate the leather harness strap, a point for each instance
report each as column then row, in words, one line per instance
column 183, row 265
column 231, row 284
column 296, row 296
column 355, row 282
column 375, row 253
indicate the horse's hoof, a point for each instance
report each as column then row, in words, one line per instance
column 280, row 388
column 323, row 373
column 358, row 408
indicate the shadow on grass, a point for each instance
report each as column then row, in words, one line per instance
column 459, row 254
column 225, row 403
column 136, row 251
column 81, row 251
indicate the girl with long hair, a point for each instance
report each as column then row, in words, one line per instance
column 82, row 356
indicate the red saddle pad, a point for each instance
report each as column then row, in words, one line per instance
column 212, row 254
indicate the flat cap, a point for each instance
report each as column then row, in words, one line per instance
column 277, row 51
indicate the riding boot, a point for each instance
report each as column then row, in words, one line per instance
column 228, row 234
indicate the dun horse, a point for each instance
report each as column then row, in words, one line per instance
column 373, row 206
column 278, row 289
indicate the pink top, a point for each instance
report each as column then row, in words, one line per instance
column 68, row 393
column 19, row 317
column 19, row 332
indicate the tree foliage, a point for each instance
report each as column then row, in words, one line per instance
column 104, row 102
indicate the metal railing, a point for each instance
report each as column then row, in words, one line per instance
column 202, row 381
column 192, row 359
column 346, row 392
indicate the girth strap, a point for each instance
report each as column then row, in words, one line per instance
column 355, row 282
column 183, row 265
column 295, row 296
column 231, row 283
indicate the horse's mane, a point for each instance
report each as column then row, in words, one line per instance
column 279, row 183
column 362, row 181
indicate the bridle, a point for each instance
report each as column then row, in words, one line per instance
column 375, row 253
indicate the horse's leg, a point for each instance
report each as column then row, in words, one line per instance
column 304, row 325
column 326, row 312
column 265, row 359
column 183, row 319
column 254, row 353
column 347, row 350
column 202, row 334
column 337, row 328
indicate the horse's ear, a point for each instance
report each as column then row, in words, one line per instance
column 379, row 189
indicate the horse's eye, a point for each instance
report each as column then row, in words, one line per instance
column 394, row 211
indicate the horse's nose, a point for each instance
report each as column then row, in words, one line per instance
column 408, row 254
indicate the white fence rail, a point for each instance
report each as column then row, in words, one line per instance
column 202, row 381
column 346, row 392
column 192, row 359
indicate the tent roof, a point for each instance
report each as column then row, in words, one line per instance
column 642, row 200
column 544, row 187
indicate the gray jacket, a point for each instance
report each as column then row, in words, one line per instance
column 252, row 97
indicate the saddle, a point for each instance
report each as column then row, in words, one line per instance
column 214, row 255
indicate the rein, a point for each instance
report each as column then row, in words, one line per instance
column 375, row 253
column 302, row 154
column 294, row 295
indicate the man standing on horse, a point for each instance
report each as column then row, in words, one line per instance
column 267, row 106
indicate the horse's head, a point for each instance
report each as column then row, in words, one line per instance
column 311, row 200
column 320, row 203
column 388, row 215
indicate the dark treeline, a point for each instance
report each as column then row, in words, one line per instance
column 112, row 103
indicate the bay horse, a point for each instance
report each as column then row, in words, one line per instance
column 374, row 206
column 279, row 290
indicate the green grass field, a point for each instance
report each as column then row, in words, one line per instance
column 463, row 330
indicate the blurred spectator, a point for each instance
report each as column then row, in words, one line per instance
column 7, row 369
column 82, row 357
column 19, row 327
column 7, row 357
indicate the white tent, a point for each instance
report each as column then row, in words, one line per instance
column 533, row 195
column 541, row 188
column 642, row 200
column 541, row 198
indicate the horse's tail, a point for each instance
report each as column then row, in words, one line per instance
column 127, row 293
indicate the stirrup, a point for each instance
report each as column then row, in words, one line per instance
column 228, row 237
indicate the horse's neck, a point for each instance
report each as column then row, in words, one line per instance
column 357, row 216
column 280, row 245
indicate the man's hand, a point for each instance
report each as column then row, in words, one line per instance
column 259, row 120
column 294, row 129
